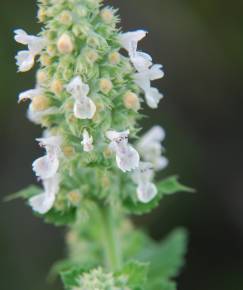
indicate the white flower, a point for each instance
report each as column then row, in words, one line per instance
column 129, row 40
column 143, row 80
column 127, row 157
column 153, row 96
column 146, row 190
column 151, row 149
column 87, row 141
column 141, row 60
column 35, row 43
column 46, row 167
column 30, row 94
column 25, row 59
column 84, row 107
column 36, row 116
column 43, row 202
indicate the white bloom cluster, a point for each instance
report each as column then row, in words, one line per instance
column 26, row 58
column 150, row 150
column 46, row 169
column 142, row 162
column 145, row 70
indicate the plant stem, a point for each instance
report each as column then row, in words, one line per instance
column 110, row 239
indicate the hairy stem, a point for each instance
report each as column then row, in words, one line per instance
column 110, row 239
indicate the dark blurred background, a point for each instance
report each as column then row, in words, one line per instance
column 200, row 44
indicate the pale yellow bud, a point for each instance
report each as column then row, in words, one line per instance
column 51, row 49
column 114, row 57
column 45, row 59
column 68, row 151
column 74, row 197
column 105, row 181
column 69, row 105
column 107, row 15
column 93, row 41
column 66, row 17
column 56, row 86
column 45, row 2
column 40, row 103
column 131, row 101
column 41, row 76
column 91, row 56
column 107, row 152
column 65, row 44
column 105, row 86
column 41, row 14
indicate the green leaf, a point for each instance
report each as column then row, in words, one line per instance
column 61, row 218
column 26, row 193
column 166, row 258
column 161, row 284
column 71, row 276
column 171, row 185
column 167, row 186
column 136, row 273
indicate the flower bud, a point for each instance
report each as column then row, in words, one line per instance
column 114, row 57
column 56, row 86
column 107, row 15
column 41, row 14
column 51, row 50
column 45, row 59
column 65, row 17
column 107, row 152
column 93, row 41
column 131, row 101
column 105, row 181
column 41, row 77
column 65, row 44
column 40, row 103
column 74, row 197
column 68, row 151
column 105, row 86
column 91, row 56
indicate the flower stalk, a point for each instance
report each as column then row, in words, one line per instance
column 91, row 85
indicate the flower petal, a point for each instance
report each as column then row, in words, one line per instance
column 128, row 160
column 84, row 109
column 146, row 192
column 25, row 60
column 46, row 167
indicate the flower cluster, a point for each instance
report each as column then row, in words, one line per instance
column 87, row 95
column 91, row 83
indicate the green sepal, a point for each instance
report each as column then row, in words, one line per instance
column 61, row 218
column 25, row 193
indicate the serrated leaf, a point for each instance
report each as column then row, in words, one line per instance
column 166, row 258
column 71, row 276
column 136, row 273
column 171, row 185
column 26, row 193
column 161, row 284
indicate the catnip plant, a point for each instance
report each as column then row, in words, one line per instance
column 97, row 168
